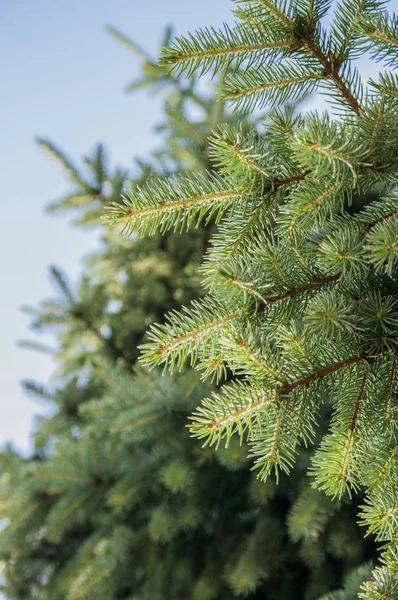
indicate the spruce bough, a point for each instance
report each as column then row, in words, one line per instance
column 302, row 277
column 117, row 502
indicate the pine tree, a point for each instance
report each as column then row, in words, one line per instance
column 117, row 502
column 301, row 274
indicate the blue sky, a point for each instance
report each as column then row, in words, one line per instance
column 62, row 78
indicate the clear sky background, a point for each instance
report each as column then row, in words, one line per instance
column 62, row 77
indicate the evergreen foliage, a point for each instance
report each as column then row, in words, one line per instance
column 117, row 501
column 301, row 274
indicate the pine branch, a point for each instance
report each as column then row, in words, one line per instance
column 312, row 377
column 302, row 278
column 59, row 279
column 243, row 359
column 382, row 29
column 213, row 49
column 233, row 410
column 387, row 84
column 317, row 283
column 176, row 204
column 63, row 161
column 279, row 13
column 192, row 333
column 126, row 41
column 380, row 513
column 344, row 30
column 381, row 244
column 268, row 86
column 246, row 157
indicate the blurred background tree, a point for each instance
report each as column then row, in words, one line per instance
column 116, row 501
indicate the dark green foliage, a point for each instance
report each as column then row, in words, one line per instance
column 301, row 274
column 117, row 501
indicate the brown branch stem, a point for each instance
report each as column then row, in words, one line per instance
column 302, row 288
column 331, row 71
column 308, row 379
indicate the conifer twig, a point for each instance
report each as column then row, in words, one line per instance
column 331, row 71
